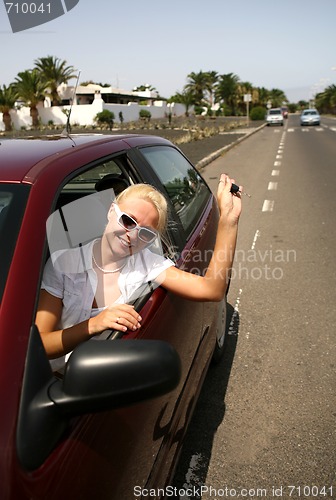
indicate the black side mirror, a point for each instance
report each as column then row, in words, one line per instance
column 99, row 376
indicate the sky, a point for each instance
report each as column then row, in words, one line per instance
column 284, row 44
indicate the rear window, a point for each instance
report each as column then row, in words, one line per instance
column 183, row 184
column 12, row 203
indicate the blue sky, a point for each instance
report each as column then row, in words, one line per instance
column 286, row 44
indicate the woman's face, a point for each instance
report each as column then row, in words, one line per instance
column 122, row 242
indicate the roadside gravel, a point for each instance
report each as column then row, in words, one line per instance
column 201, row 141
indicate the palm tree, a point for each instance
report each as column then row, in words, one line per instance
column 198, row 84
column 54, row 72
column 244, row 88
column 277, row 97
column 228, row 91
column 186, row 97
column 211, row 86
column 8, row 97
column 326, row 100
column 32, row 90
column 264, row 96
column 144, row 87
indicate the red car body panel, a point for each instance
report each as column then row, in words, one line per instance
column 85, row 463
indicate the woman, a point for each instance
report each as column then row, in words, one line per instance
column 77, row 306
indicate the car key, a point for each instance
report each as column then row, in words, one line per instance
column 235, row 189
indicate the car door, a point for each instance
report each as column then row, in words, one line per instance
column 99, row 453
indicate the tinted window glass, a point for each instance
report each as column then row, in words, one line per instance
column 87, row 179
column 183, row 184
column 12, row 202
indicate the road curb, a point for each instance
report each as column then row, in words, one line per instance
column 216, row 154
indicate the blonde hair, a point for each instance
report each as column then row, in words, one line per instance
column 152, row 195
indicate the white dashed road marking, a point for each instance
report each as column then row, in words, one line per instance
column 256, row 236
column 268, row 206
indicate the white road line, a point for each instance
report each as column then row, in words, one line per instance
column 277, row 163
column 272, row 186
column 278, row 157
column 256, row 236
column 191, row 477
column 333, row 129
column 290, row 130
column 275, row 172
column 319, row 129
column 305, row 130
column 268, row 206
column 232, row 327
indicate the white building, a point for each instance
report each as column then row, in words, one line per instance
column 91, row 99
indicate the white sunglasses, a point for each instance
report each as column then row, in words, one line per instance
column 127, row 222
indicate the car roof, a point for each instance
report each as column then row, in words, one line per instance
column 19, row 156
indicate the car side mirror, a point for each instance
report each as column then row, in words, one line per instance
column 99, row 376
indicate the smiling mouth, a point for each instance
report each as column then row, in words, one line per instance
column 125, row 243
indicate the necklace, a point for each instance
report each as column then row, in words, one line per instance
column 106, row 271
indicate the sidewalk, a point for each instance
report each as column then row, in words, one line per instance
column 203, row 152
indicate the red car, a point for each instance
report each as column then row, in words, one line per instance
column 113, row 426
column 284, row 110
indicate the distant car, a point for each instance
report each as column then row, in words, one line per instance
column 274, row 117
column 116, row 420
column 284, row 110
column 310, row 117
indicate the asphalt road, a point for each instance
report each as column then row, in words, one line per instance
column 264, row 426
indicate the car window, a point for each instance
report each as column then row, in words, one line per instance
column 88, row 178
column 12, row 202
column 184, row 186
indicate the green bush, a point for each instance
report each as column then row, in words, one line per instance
column 145, row 114
column 104, row 116
column 258, row 113
column 227, row 110
column 198, row 110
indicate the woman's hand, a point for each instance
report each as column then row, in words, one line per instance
column 120, row 317
column 229, row 203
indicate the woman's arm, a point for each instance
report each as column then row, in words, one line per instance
column 59, row 342
column 212, row 286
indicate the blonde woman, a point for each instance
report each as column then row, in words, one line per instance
column 75, row 307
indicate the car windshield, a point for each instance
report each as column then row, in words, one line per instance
column 13, row 199
column 275, row 112
column 310, row 112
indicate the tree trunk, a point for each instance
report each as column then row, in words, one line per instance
column 35, row 116
column 6, row 118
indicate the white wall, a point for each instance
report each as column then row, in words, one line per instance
column 85, row 114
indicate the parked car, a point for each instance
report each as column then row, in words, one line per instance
column 310, row 117
column 274, row 117
column 115, row 421
column 284, row 110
